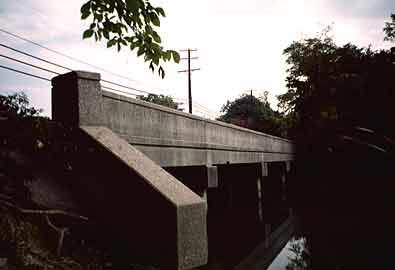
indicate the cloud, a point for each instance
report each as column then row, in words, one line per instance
column 239, row 43
column 362, row 8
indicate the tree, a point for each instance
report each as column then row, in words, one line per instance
column 254, row 113
column 161, row 100
column 129, row 23
column 17, row 105
column 389, row 29
column 338, row 85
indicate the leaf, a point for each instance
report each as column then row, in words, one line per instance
column 155, row 19
column 147, row 57
column 85, row 15
column 106, row 34
column 161, row 72
column 156, row 37
column 132, row 46
column 132, row 4
column 111, row 43
column 167, row 55
column 140, row 51
column 155, row 60
column 160, row 11
column 87, row 34
column 85, row 10
column 176, row 56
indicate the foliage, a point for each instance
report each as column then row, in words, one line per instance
column 389, row 29
column 129, row 23
column 341, row 100
column 161, row 100
column 35, row 149
column 17, row 105
column 254, row 113
column 343, row 85
column 22, row 127
column 301, row 258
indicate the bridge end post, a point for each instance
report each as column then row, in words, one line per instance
column 77, row 98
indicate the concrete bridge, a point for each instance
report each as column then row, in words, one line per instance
column 166, row 171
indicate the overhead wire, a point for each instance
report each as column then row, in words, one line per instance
column 25, row 73
column 31, row 65
column 32, row 56
column 76, row 60
column 67, row 68
column 62, row 54
column 67, row 56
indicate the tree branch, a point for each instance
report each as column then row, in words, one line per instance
column 43, row 212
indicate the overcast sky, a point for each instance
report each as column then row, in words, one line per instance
column 239, row 43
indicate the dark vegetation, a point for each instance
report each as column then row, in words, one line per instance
column 341, row 101
column 36, row 231
column 163, row 100
column 254, row 113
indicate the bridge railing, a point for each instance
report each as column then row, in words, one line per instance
column 169, row 137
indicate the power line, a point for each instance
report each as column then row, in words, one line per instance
column 109, row 88
column 25, row 73
column 35, row 57
column 52, row 63
column 197, row 104
column 62, row 54
column 46, row 79
column 85, row 63
column 31, row 65
column 127, row 87
column 29, row 74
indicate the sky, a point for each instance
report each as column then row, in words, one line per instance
column 239, row 45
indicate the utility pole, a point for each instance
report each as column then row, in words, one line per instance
column 189, row 70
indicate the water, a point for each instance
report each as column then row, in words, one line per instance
column 282, row 259
column 286, row 256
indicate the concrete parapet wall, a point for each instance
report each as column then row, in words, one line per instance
column 169, row 137
column 174, row 138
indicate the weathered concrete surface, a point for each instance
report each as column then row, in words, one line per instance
column 169, row 137
column 174, row 138
column 76, row 98
column 157, row 214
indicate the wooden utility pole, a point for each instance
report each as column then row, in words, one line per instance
column 189, row 70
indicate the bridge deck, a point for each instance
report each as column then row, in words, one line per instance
column 169, row 137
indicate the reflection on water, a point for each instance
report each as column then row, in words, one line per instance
column 249, row 220
column 341, row 194
column 283, row 258
column 294, row 256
